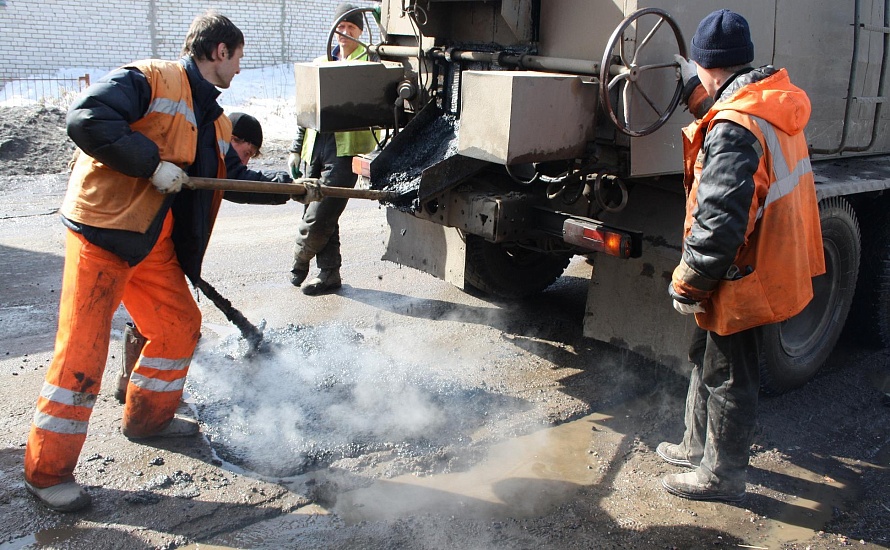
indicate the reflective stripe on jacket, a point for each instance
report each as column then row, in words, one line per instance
column 101, row 197
column 771, row 277
column 351, row 143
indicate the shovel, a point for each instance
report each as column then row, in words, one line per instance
column 298, row 187
column 134, row 341
column 249, row 331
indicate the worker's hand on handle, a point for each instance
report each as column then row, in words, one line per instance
column 168, row 178
column 293, row 162
column 686, row 309
column 686, row 69
column 313, row 191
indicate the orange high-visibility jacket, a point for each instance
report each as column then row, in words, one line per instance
column 102, row 197
column 783, row 239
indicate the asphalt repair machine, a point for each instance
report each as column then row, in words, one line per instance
column 524, row 132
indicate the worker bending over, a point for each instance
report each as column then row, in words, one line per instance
column 132, row 233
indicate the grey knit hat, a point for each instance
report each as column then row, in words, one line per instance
column 356, row 18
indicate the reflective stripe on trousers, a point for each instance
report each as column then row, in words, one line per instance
column 94, row 284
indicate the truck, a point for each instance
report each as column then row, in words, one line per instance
column 522, row 133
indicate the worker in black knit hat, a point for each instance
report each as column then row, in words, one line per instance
column 751, row 245
column 247, row 136
column 349, row 30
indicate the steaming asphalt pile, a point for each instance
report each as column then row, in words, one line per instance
column 415, row 150
column 325, row 394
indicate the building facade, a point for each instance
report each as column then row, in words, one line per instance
column 39, row 37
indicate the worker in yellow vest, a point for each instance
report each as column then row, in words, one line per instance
column 328, row 156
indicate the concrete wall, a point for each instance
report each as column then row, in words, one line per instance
column 38, row 37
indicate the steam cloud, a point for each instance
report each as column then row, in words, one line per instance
column 324, row 393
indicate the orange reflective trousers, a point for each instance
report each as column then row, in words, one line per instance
column 94, row 284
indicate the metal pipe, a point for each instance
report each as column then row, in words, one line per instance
column 249, row 331
column 388, row 50
column 295, row 188
column 559, row 64
column 524, row 61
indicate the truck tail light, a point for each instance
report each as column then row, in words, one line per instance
column 599, row 238
column 361, row 165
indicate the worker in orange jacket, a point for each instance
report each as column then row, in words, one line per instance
column 751, row 245
column 133, row 232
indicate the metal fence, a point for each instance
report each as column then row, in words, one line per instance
column 57, row 92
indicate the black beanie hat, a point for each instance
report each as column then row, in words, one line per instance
column 722, row 40
column 247, row 128
column 356, row 18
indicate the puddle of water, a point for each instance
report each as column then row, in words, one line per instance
column 524, row 477
column 46, row 538
column 812, row 508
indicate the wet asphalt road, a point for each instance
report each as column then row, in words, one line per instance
column 402, row 412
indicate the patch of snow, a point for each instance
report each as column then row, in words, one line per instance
column 266, row 93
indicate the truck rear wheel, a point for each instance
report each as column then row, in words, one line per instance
column 882, row 288
column 794, row 350
column 510, row 271
column 869, row 322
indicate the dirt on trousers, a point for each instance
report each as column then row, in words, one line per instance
column 403, row 413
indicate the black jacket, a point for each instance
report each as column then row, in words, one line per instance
column 731, row 155
column 236, row 170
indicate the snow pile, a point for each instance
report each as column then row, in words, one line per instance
column 266, row 93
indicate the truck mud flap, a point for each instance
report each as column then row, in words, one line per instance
column 628, row 304
column 429, row 247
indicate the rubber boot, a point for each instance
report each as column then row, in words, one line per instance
column 133, row 344
column 65, row 497
column 326, row 281
column 299, row 273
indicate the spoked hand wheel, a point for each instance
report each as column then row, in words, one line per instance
column 369, row 14
column 621, row 67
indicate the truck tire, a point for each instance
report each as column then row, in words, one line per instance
column 881, row 303
column 794, row 350
column 869, row 322
column 510, row 271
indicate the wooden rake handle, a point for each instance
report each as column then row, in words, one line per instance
column 295, row 188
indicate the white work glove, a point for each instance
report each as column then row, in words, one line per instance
column 686, row 69
column 293, row 162
column 686, row 309
column 168, row 178
column 313, row 191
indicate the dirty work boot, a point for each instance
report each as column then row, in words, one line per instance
column 178, row 427
column 64, row 497
column 673, row 454
column 298, row 274
column 695, row 485
column 327, row 280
